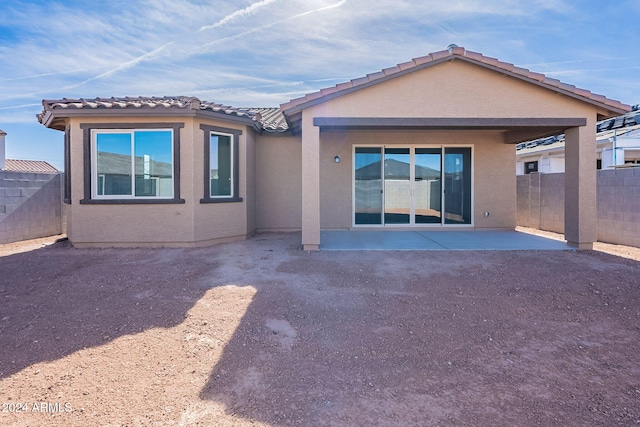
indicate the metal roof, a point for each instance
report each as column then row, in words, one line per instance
column 32, row 166
column 619, row 125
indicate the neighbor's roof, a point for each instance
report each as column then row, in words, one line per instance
column 2, row 132
column 605, row 129
column 33, row 166
column 270, row 119
column 459, row 53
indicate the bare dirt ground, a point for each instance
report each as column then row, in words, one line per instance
column 260, row 333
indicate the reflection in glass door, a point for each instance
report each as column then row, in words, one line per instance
column 397, row 186
column 368, row 185
column 427, row 185
column 412, row 185
column 457, row 185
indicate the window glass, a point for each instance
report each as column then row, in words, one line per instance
column 134, row 163
column 221, row 159
column 113, row 155
column 154, row 169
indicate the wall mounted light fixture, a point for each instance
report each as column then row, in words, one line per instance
column 336, row 159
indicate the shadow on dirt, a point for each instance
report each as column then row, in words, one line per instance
column 57, row 300
column 473, row 338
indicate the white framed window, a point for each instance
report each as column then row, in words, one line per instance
column 132, row 164
column 221, row 163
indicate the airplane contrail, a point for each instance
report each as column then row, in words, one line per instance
column 238, row 14
column 253, row 30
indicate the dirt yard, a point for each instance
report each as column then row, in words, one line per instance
column 260, row 333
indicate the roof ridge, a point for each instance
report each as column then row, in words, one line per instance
column 452, row 52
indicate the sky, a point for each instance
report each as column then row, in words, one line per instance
column 261, row 53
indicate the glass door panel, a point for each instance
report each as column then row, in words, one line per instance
column 457, row 185
column 397, row 186
column 368, row 185
column 427, row 184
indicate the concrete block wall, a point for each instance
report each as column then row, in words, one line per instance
column 552, row 202
column 30, row 205
column 540, row 204
column 619, row 206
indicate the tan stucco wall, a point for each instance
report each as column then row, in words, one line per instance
column 453, row 89
column 215, row 221
column 120, row 225
column 278, row 183
column 188, row 224
column 494, row 182
column 251, row 182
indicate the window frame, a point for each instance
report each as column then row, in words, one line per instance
column 234, row 134
column 90, row 169
column 67, row 165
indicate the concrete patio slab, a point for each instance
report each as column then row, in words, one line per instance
column 485, row 240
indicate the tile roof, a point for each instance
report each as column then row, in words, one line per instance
column 270, row 119
column 620, row 125
column 453, row 52
column 33, row 166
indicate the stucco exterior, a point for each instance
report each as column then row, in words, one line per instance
column 295, row 165
column 185, row 224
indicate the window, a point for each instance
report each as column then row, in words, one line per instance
column 136, row 163
column 220, row 165
column 67, row 165
column 530, row 167
column 132, row 163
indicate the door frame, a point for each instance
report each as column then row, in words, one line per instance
column 413, row 225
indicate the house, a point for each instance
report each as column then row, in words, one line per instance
column 429, row 143
column 617, row 145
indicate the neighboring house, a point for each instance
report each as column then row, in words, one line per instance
column 617, row 145
column 426, row 144
column 29, row 166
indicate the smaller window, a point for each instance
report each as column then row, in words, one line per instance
column 530, row 167
column 220, row 165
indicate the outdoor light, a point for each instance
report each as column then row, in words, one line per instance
column 336, row 159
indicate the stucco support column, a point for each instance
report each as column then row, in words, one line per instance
column 580, row 209
column 310, row 184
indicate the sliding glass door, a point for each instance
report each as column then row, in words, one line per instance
column 428, row 185
column 368, row 185
column 397, row 186
column 457, row 185
column 413, row 185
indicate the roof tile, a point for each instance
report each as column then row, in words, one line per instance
column 422, row 60
column 391, row 70
column 440, row 54
column 344, row 86
column 179, row 102
column 406, row 65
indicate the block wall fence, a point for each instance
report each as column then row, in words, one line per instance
column 540, row 204
column 30, row 206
